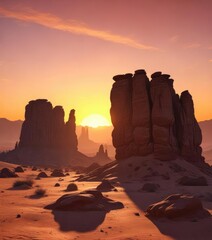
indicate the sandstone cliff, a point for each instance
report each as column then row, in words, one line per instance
column 150, row 118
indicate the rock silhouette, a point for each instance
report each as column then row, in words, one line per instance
column 102, row 155
column 44, row 127
column 46, row 139
column 7, row 173
column 42, row 175
column 150, row 118
column 19, row 169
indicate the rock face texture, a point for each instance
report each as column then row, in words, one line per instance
column 89, row 200
column 150, row 118
column 44, row 127
column 177, row 205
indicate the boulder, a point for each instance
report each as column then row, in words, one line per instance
column 7, row 173
column 19, row 169
column 71, row 187
column 105, row 186
column 177, row 205
column 57, row 173
column 89, row 200
column 42, row 175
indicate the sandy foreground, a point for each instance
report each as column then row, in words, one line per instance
column 37, row 223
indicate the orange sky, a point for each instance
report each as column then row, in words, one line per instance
column 68, row 51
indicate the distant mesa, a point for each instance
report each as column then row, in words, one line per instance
column 150, row 118
column 46, row 139
column 102, row 155
column 44, row 127
column 86, row 145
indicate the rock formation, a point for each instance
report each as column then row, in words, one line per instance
column 46, row 140
column 44, row 127
column 150, row 118
column 177, row 206
column 101, row 152
column 101, row 156
column 88, row 200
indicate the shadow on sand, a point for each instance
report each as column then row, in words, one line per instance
column 78, row 221
column 180, row 229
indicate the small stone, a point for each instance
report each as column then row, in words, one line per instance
column 71, row 187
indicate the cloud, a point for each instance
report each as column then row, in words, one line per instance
column 174, row 38
column 210, row 60
column 193, row 45
column 72, row 26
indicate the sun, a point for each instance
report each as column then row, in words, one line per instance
column 95, row 120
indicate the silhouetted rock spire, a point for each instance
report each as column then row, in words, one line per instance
column 102, row 153
column 44, row 127
column 84, row 136
column 149, row 117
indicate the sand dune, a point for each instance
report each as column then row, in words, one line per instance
column 38, row 223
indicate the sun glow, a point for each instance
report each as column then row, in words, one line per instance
column 95, row 120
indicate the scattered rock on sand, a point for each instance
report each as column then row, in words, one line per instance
column 7, row 173
column 192, row 181
column 71, row 187
column 105, row 186
column 57, row 185
column 18, row 215
column 19, row 169
column 57, row 173
column 89, row 200
column 150, row 187
column 34, row 169
column 42, row 175
column 177, row 205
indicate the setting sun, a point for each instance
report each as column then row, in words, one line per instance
column 95, row 120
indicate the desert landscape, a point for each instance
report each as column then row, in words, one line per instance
column 105, row 120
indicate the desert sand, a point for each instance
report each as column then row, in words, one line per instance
column 129, row 223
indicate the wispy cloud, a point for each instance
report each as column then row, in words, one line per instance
column 72, row 26
column 174, row 38
column 193, row 45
